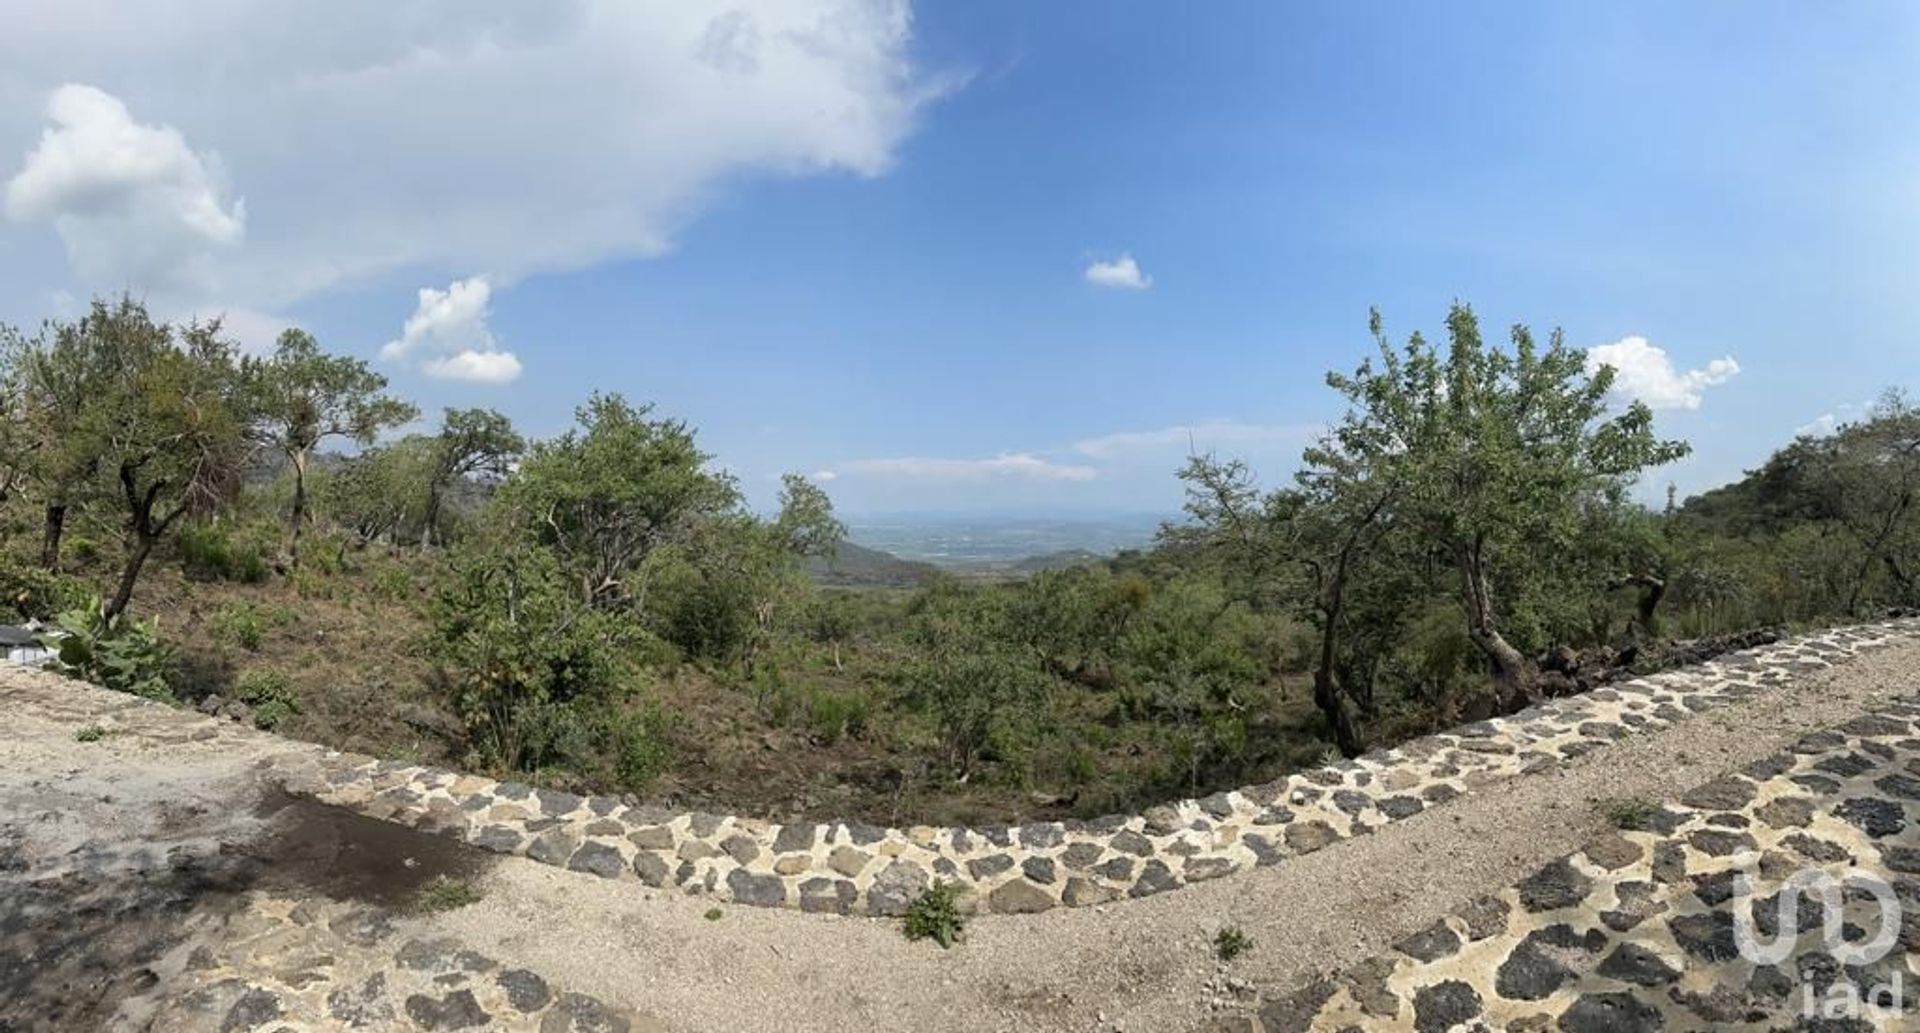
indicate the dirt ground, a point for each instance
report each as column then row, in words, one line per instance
column 90, row 827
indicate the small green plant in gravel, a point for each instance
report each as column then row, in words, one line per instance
column 935, row 915
column 713, row 914
column 1231, row 942
column 446, row 893
column 1629, row 814
column 91, row 733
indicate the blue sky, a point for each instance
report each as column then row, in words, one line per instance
column 866, row 254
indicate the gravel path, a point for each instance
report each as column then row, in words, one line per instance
column 654, row 960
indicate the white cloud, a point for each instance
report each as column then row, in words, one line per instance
column 427, row 137
column 478, row 367
column 447, row 336
column 1007, row 466
column 1197, row 437
column 131, row 202
column 1122, row 272
column 1828, row 422
column 1647, row 373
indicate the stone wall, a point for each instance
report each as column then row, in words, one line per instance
column 1636, row 933
column 862, row 869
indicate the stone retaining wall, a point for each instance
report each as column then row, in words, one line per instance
column 862, row 869
column 1637, row 932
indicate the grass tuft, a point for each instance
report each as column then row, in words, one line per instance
column 445, row 893
column 1629, row 814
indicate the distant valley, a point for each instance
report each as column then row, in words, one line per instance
column 905, row 550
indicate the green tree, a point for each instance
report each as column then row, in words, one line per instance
column 55, row 383
column 379, row 494
column 472, row 444
column 610, row 493
column 1490, row 456
column 305, row 397
column 174, row 417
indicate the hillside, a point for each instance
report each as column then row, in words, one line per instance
column 856, row 566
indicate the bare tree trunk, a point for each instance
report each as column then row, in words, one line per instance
column 1652, row 591
column 432, row 517
column 299, row 517
column 55, row 525
column 1512, row 682
column 1900, row 575
column 129, row 576
column 1328, row 695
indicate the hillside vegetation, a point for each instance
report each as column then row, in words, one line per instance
column 602, row 611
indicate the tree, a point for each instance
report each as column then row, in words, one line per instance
column 55, row 382
column 1303, row 549
column 734, row 576
column 379, row 494
column 305, row 397
column 1490, row 455
column 473, row 443
column 173, row 422
column 610, row 493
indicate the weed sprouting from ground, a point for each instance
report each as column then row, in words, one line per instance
column 935, row 915
column 91, row 733
column 445, row 893
column 1629, row 814
column 1231, row 942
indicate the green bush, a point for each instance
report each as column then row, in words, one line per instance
column 638, row 744
column 209, row 552
column 241, row 622
column 271, row 696
column 36, row 594
column 832, row 715
column 119, row 654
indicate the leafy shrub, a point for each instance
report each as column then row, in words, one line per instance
column 36, row 594
column 241, row 623
column 831, row 715
column 935, row 915
column 540, row 679
column 639, row 746
column 270, row 694
column 393, row 583
column 91, row 733
column 208, row 552
column 118, row 654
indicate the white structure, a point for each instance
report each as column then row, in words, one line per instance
column 22, row 646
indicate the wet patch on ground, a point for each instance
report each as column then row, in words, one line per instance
column 310, row 848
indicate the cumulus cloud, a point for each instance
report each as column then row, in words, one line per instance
column 1122, row 272
column 1006, row 466
column 388, row 138
column 132, row 202
column 1196, row 437
column 1647, row 373
column 447, row 336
